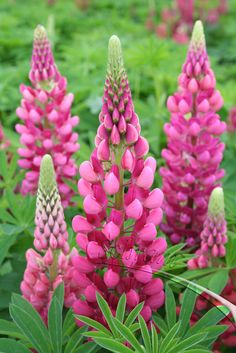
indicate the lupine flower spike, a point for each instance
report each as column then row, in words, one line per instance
column 50, row 265
column 118, row 234
column 194, row 150
column 47, row 123
column 214, row 233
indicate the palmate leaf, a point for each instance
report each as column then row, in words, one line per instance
column 31, row 330
column 128, row 335
column 154, row 337
column 55, row 319
column 170, row 307
column 30, row 323
column 8, row 328
column 68, row 325
column 8, row 345
column 187, row 307
column 107, row 313
column 133, row 314
column 75, row 340
column 145, row 335
column 212, row 334
column 120, row 311
column 113, row 345
column 169, row 338
column 212, row 317
column 93, row 323
column 188, row 342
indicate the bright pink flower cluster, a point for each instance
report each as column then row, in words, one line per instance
column 118, row 234
column 47, row 123
column 232, row 120
column 44, row 272
column 214, row 233
column 177, row 21
column 194, row 149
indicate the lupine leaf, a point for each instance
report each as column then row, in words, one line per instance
column 170, row 307
column 8, row 345
column 30, row 323
column 133, row 314
column 213, row 316
column 212, row 333
column 75, row 340
column 68, row 324
column 113, row 345
column 198, row 350
column 120, row 311
column 188, row 342
column 87, row 348
column 218, row 281
column 145, row 334
column 8, row 328
column 168, row 340
column 55, row 319
column 187, row 307
column 161, row 324
column 93, row 323
column 96, row 334
column 154, row 339
column 128, row 335
column 107, row 313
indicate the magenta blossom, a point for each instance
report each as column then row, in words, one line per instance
column 47, row 123
column 118, row 234
column 51, row 265
column 232, row 120
column 194, row 150
column 214, row 233
column 177, row 21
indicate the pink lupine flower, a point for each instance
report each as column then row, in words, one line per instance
column 214, row 233
column 177, row 21
column 194, row 150
column 232, row 120
column 47, row 126
column 119, row 233
column 51, row 265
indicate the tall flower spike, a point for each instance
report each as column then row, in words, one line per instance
column 119, row 232
column 214, row 233
column 47, row 123
column 194, row 150
column 45, row 270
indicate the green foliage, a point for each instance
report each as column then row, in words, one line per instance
column 175, row 335
column 30, row 332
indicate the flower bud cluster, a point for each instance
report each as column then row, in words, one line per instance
column 47, row 124
column 118, row 235
column 194, row 149
column 45, row 270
